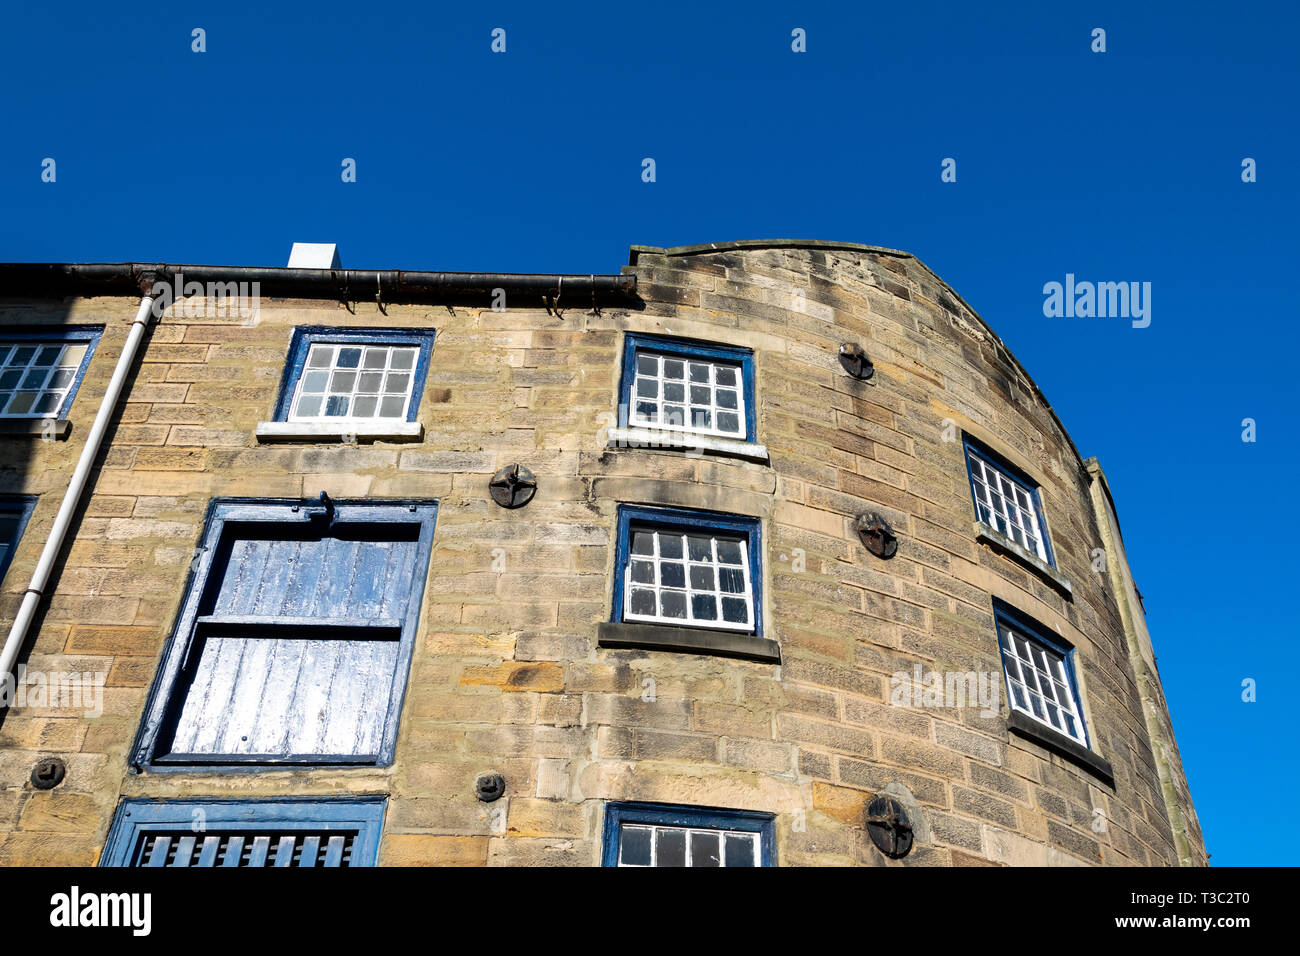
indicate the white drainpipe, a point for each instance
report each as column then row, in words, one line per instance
column 71, row 499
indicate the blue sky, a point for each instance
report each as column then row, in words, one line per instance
column 1122, row 166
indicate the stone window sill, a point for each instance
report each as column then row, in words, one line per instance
column 1000, row 542
column 1025, row 726
column 40, row 427
column 688, row 640
column 655, row 438
column 339, row 431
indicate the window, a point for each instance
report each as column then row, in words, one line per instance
column 40, row 371
column 249, row 833
column 648, row 834
column 688, row 568
column 1039, row 668
column 1007, row 501
column 363, row 375
column 293, row 644
column 688, row 387
column 14, row 512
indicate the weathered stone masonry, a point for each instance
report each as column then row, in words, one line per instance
column 507, row 675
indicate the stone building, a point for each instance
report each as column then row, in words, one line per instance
column 755, row 553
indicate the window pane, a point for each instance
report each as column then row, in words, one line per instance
column 705, row 849
column 673, row 604
column 634, row 845
column 643, row 602
column 704, row 607
column 735, row 611
column 702, row 578
column 48, row 402
column 740, row 849
column 670, row 847
column 22, row 403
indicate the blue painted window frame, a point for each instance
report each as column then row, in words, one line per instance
column 689, row 519
column 1006, row 615
column 674, row 815
column 991, row 458
column 304, row 336
column 226, row 511
column 136, row 817
column 20, row 506
column 688, row 348
column 90, row 334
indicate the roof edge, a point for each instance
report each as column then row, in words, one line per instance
column 830, row 246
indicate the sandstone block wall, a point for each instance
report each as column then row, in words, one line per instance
column 506, row 674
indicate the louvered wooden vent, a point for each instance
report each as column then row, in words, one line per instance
column 276, row 848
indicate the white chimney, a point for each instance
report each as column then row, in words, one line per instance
column 314, row 255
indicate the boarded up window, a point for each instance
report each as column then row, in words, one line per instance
column 296, row 640
column 245, row 833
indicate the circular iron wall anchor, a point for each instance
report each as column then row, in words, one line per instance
column 513, row 486
column 489, row 787
column 49, row 773
column 889, row 826
column 877, row 536
column 855, row 361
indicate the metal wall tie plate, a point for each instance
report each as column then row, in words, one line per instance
column 889, row 827
column 855, row 361
column 49, row 773
column 876, row 534
column 489, row 787
column 513, row 486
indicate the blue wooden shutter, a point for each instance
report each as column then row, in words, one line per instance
column 299, row 641
column 273, row 832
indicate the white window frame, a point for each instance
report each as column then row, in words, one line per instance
column 755, row 841
column 635, row 419
column 9, row 349
column 1054, row 672
column 1018, row 516
column 657, row 560
column 332, row 369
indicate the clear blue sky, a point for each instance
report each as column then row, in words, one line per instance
column 1117, row 166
